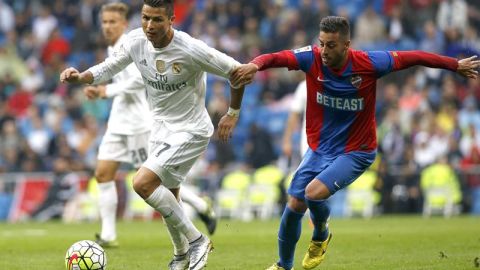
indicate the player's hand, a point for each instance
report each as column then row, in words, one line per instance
column 70, row 75
column 243, row 74
column 225, row 127
column 102, row 91
column 91, row 92
column 467, row 67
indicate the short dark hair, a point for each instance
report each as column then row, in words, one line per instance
column 335, row 24
column 120, row 8
column 167, row 4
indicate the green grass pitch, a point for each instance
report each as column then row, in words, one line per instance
column 389, row 242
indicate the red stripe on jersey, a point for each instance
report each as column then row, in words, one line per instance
column 362, row 134
column 284, row 58
column 406, row 59
column 314, row 113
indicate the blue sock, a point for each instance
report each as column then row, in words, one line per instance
column 319, row 212
column 288, row 235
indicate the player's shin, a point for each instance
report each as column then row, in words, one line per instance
column 164, row 202
column 107, row 201
column 319, row 212
column 288, row 235
column 180, row 243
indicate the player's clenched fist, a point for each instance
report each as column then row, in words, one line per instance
column 70, row 75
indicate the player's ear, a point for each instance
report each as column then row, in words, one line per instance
column 172, row 19
column 347, row 45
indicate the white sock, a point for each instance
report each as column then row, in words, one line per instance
column 107, row 200
column 190, row 197
column 164, row 202
column 180, row 243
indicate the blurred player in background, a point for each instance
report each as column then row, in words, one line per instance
column 341, row 128
column 297, row 114
column 173, row 66
column 128, row 129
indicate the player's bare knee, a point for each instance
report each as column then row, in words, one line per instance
column 297, row 205
column 141, row 187
column 317, row 190
column 102, row 176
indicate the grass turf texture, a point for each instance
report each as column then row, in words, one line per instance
column 389, row 242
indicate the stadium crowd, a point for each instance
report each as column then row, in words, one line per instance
column 424, row 116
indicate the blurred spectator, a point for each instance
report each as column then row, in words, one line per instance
column 431, row 38
column 43, row 24
column 7, row 19
column 56, row 46
column 369, row 28
column 469, row 114
column 452, row 14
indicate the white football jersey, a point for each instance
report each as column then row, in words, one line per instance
column 174, row 76
column 130, row 112
column 299, row 104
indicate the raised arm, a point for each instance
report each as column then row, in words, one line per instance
column 99, row 73
column 244, row 75
column 465, row 67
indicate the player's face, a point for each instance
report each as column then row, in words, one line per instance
column 157, row 25
column 334, row 49
column 113, row 26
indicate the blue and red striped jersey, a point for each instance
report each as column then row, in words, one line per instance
column 340, row 114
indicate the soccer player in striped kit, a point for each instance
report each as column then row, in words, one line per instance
column 341, row 128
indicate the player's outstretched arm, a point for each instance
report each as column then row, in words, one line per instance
column 72, row 75
column 244, row 74
column 229, row 120
column 468, row 67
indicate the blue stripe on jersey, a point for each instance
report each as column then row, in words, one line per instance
column 382, row 62
column 304, row 57
column 336, row 122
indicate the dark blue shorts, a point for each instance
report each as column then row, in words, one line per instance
column 335, row 172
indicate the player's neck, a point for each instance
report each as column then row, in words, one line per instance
column 164, row 41
column 342, row 63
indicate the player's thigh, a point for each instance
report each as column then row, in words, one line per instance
column 345, row 169
column 172, row 155
column 137, row 146
column 312, row 164
column 113, row 148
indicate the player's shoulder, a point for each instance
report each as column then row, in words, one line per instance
column 184, row 40
column 136, row 35
column 358, row 53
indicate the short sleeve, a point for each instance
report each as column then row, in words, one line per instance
column 305, row 58
column 212, row 60
column 382, row 61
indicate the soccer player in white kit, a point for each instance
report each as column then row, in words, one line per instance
column 128, row 130
column 173, row 66
column 297, row 111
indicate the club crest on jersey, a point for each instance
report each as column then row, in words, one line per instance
column 160, row 66
column 176, row 68
column 356, row 81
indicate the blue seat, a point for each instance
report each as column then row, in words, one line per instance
column 476, row 201
column 5, row 204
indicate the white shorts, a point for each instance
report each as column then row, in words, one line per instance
column 131, row 149
column 172, row 154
